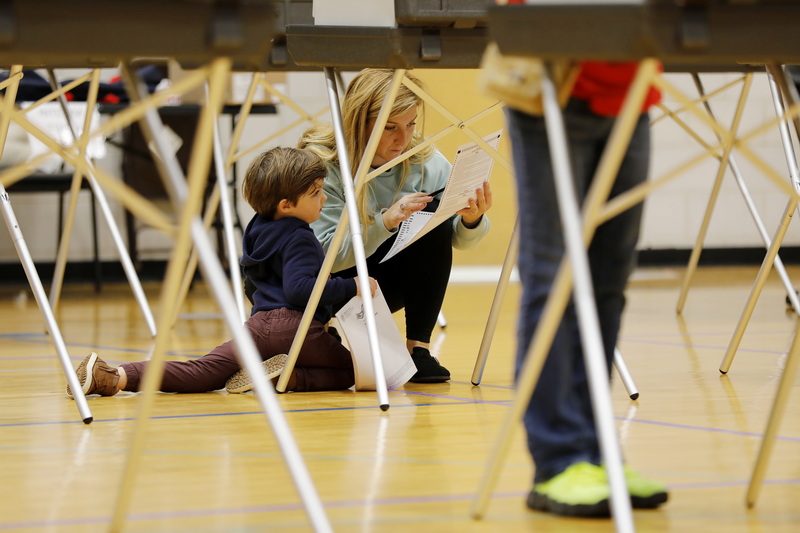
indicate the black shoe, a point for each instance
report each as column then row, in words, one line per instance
column 789, row 302
column 428, row 368
column 335, row 334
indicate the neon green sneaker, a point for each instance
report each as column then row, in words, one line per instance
column 580, row 490
column 645, row 493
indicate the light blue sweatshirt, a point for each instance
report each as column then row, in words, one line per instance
column 384, row 193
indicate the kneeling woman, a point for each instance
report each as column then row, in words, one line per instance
column 416, row 278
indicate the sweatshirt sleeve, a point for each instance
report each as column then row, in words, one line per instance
column 465, row 238
column 301, row 266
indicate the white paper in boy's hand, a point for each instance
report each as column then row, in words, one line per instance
column 397, row 364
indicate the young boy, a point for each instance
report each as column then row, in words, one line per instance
column 282, row 258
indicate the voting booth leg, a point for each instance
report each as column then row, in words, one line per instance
column 191, row 228
column 225, row 204
column 775, row 417
column 44, row 306
column 790, row 368
column 102, row 201
column 776, row 76
column 213, row 202
column 308, row 313
column 751, row 207
column 351, row 215
column 219, row 199
column 526, row 382
column 77, row 177
column 497, row 301
column 124, row 257
column 724, row 160
column 788, row 86
column 758, row 286
column 625, row 375
column 27, row 262
column 494, row 315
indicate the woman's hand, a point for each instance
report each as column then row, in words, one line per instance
column 373, row 286
column 404, row 208
column 482, row 202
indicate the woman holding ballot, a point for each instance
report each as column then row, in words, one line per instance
column 415, row 278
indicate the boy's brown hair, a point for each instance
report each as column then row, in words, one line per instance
column 280, row 173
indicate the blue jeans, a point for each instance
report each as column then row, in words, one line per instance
column 559, row 421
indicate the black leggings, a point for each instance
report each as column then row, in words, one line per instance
column 414, row 279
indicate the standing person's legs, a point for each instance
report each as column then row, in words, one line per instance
column 612, row 252
column 559, row 424
column 558, row 420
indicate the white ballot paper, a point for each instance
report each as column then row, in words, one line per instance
column 397, row 364
column 472, row 166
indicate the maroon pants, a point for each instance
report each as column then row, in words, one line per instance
column 323, row 364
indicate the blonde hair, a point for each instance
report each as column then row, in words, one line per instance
column 362, row 103
column 278, row 174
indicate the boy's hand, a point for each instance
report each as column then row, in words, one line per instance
column 373, row 286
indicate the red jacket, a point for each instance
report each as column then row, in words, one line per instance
column 604, row 86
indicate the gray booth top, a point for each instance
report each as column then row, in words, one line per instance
column 258, row 35
column 699, row 33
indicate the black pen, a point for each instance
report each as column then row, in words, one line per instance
column 436, row 193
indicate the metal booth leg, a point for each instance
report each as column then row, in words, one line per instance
column 494, row 316
column 776, row 76
column 30, row 269
column 44, row 306
column 793, row 358
column 734, row 167
column 188, row 199
column 102, row 201
column 351, row 216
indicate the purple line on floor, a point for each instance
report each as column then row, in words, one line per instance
column 701, row 428
column 700, row 346
column 448, row 397
column 257, row 509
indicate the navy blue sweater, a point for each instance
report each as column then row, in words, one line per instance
column 283, row 259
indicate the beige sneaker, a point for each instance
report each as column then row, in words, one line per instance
column 96, row 377
column 241, row 382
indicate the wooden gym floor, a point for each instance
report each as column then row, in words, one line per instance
column 211, row 463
